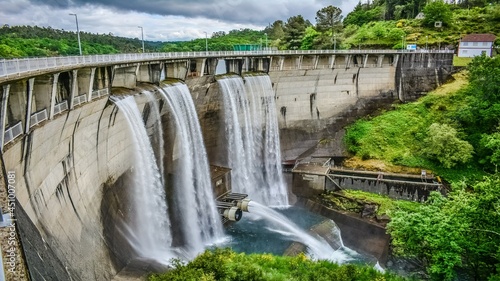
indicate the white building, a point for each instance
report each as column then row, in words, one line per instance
column 476, row 44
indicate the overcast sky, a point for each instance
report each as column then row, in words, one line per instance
column 162, row 20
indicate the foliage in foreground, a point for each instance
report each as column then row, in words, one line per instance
column 461, row 231
column 224, row 264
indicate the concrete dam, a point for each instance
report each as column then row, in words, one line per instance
column 113, row 160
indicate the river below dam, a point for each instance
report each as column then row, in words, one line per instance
column 258, row 234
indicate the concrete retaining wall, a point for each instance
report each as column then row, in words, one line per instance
column 357, row 234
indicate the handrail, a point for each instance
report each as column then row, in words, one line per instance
column 60, row 107
column 13, row 132
column 38, row 117
column 16, row 67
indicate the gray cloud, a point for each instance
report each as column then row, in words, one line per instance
column 163, row 20
column 259, row 12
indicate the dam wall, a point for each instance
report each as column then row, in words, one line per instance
column 71, row 165
column 62, row 169
column 316, row 104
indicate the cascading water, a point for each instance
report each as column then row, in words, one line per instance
column 252, row 139
column 148, row 227
column 317, row 247
column 158, row 128
column 194, row 198
column 260, row 87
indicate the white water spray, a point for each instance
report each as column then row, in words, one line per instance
column 194, row 198
column 252, row 139
column 317, row 247
column 148, row 228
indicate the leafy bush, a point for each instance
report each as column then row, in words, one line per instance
column 457, row 232
column 443, row 144
column 437, row 11
column 224, row 264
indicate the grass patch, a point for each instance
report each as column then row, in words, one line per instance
column 459, row 61
column 386, row 204
column 397, row 138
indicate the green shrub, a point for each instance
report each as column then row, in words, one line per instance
column 443, row 145
column 224, row 264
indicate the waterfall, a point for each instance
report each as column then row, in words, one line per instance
column 252, row 139
column 317, row 247
column 158, row 129
column 148, row 228
column 260, row 86
column 194, row 199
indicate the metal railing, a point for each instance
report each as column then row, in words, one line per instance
column 18, row 67
column 99, row 93
column 38, row 117
column 12, row 132
column 79, row 99
column 60, row 107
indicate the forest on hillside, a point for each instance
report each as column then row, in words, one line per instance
column 378, row 24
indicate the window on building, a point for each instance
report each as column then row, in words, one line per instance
column 465, row 44
column 485, row 43
column 464, row 51
column 474, row 43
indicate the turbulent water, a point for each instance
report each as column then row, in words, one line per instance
column 148, row 228
column 194, row 200
column 252, row 139
column 317, row 247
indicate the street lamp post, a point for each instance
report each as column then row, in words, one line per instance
column 206, row 41
column 402, row 43
column 142, row 36
column 77, row 33
column 426, row 40
column 266, row 39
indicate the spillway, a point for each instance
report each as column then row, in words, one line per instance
column 194, row 202
column 252, row 139
column 147, row 228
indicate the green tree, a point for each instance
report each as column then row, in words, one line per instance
column 275, row 31
column 437, row 11
column 453, row 232
column 432, row 234
column 491, row 144
column 363, row 14
column 294, row 29
column 329, row 19
column 309, row 38
column 443, row 145
column 480, row 114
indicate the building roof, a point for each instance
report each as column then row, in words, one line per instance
column 479, row 38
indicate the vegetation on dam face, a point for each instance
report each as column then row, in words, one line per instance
column 454, row 132
column 224, row 264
